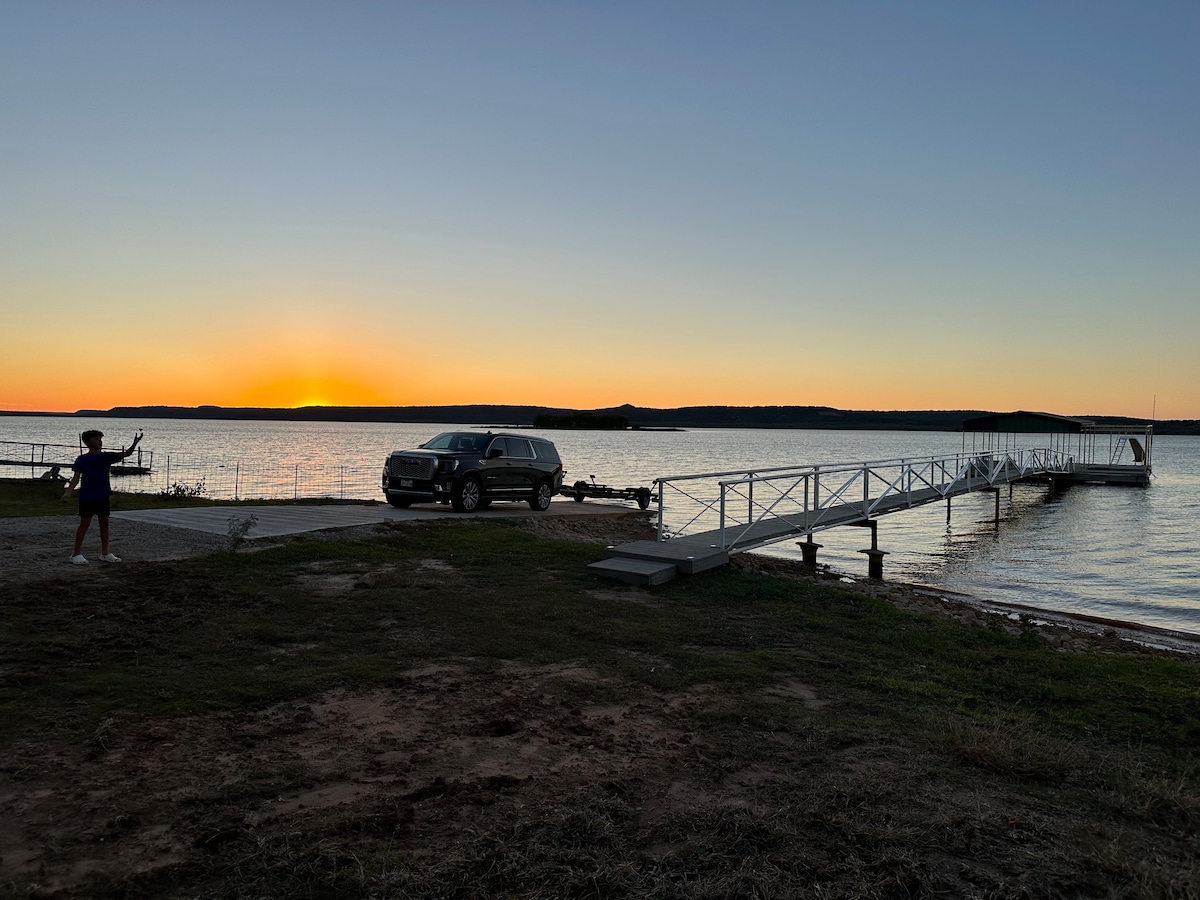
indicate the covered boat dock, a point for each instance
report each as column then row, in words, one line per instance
column 1100, row 454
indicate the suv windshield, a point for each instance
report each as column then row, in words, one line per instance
column 457, row 440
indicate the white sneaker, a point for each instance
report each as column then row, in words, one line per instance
column 79, row 559
column 111, row 557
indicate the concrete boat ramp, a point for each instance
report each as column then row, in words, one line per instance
column 277, row 521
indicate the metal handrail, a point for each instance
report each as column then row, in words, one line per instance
column 799, row 496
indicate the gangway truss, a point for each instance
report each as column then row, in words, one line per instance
column 742, row 509
column 718, row 514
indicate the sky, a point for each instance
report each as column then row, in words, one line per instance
column 868, row 205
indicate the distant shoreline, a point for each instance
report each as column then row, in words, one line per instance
column 639, row 418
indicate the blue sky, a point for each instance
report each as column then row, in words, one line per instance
column 866, row 205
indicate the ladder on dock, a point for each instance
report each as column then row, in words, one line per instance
column 724, row 513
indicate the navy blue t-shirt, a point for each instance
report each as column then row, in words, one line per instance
column 94, row 468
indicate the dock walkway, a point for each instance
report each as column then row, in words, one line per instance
column 717, row 514
column 753, row 509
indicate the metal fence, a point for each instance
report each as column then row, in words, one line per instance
column 243, row 480
column 186, row 475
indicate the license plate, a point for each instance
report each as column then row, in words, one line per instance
column 405, row 482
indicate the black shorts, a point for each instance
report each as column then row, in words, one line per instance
column 97, row 507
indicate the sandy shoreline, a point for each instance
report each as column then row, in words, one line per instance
column 1069, row 630
column 1147, row 635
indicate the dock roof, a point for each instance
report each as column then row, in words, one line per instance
column 1024, row 422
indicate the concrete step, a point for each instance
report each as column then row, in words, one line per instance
column 689, row 556
column 635, row 571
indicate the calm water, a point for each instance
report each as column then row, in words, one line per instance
column 1118, row 552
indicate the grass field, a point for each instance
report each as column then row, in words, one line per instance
column 499, row 722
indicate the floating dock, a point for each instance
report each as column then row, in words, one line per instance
column 40, row 458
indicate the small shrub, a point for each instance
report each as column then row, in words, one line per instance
column 239, row 527
column 182, row 491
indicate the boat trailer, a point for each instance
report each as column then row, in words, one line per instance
column 582, row 490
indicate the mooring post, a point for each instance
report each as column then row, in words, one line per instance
column 875, row 564
column 661, row 506
column 808, row 550
column 874, row 554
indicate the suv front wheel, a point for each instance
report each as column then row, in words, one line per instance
column 540, row 501
column 466, row 495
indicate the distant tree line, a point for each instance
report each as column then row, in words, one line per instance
column 619, row 417
column 581, row 419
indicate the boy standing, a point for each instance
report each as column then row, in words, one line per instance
column 93, row 468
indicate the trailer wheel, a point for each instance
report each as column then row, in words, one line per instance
column 642, row 497
column 578, row 487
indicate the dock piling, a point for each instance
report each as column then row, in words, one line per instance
column 874, row 563
column 874, row 554
column 808, row 550
column 995, row 492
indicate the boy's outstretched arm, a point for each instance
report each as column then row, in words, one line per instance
column 129, row 451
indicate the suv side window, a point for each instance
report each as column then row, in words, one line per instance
column 545, row 451
column 518, row 448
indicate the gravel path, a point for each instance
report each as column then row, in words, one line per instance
column 38, row 547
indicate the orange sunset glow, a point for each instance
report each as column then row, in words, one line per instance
column 645, row 210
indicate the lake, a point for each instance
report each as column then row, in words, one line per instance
column 1123, row 553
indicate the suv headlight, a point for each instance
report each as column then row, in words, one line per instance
column 446, row 466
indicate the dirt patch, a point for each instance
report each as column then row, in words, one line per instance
column 442, row 753
column 37, row 547
column 608, row 530
column 319, row 581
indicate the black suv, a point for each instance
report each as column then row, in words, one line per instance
column 470, row 469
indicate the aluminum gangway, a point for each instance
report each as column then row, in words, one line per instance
column 705, row 518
